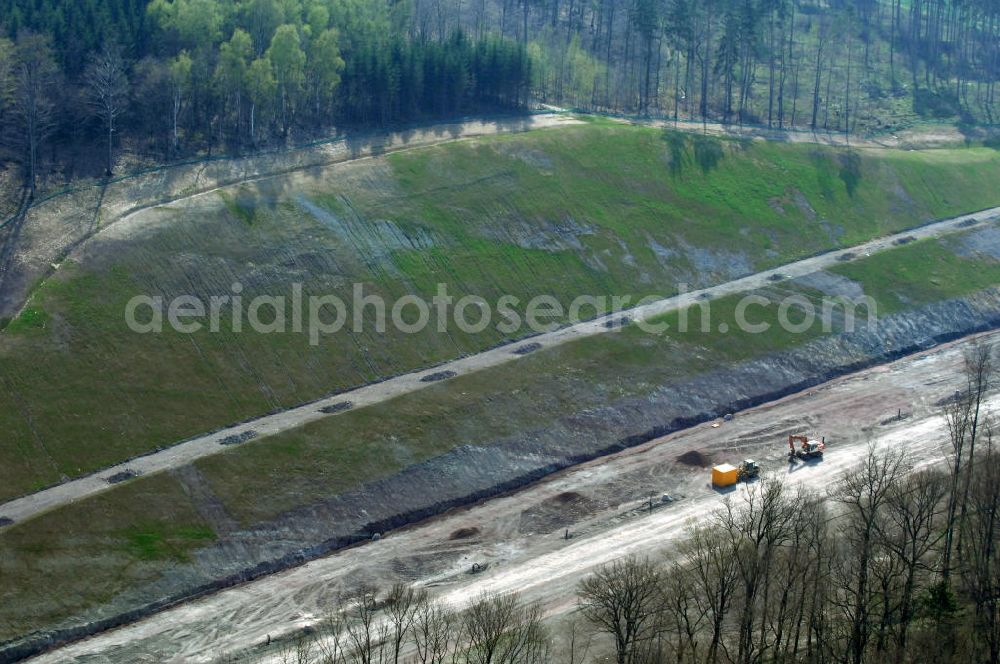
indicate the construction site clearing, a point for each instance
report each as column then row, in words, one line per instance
column 519, row 541
column 727, row 475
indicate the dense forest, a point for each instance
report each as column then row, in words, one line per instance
column 169, row 78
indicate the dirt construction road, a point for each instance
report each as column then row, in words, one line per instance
column 603, row 504
column 28, row 506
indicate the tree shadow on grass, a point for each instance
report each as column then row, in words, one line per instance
column 850, row 171
column 707, row 153
column 677, row 146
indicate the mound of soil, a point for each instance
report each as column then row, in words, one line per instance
column 616, row 323
column 527, row 348
column 238, row 438
column 694, row 458
column 440, row 375
column 566, row 497
column 947, row 401
column 555, row 513
column 464, row 533
column 121, row 477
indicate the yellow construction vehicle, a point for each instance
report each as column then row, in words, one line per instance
column 725, row 474
column 747, row 470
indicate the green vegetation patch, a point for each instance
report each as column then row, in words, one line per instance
column 919, row 273
column 242, row 204
column 162, row 541
column 32, row 318
column 726, row 331
column 597, row 209
column 82, row 556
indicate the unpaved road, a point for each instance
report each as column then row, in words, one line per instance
column 603, row 504
column 919, row 137
column 184, row 453
column 916, row 138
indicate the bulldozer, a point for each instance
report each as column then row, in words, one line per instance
column 725, row 475
column 747, row 470
column 808, row 449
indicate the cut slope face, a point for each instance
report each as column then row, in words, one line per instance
column 586, row 210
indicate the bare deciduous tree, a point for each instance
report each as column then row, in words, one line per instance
column 756, row 529
column 575, row 642
column 713, row 566
column 366, row 634
column 433, row 631
column 957, row 415
column 978, row 377
column 981, row 573
column 107, row 88
column 622, row 599
column 32, row 106
column 683, row 617
column 400, row 607
column 963, row 416
column 808, row 563
column 500, row 630
column 331, row 638
column 863, row 494
column 911, row 533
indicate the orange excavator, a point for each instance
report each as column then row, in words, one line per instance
column 808, row 449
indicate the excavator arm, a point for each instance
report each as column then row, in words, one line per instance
column 793, row 439
column 808, row 448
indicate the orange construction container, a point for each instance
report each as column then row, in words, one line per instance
column 724, row 475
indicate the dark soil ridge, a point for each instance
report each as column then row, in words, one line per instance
column 464, row 533
column 472, row 473
column 694, row 458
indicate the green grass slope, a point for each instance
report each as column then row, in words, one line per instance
column 78, row 557
column 593, row 209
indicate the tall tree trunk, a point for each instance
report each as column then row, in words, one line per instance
column 817, row 82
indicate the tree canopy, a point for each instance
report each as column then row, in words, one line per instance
column 231, row 74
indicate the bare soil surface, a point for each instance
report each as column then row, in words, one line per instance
column 921, row 137
column 641, row 500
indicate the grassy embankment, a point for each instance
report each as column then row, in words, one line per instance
column 591, row 209
column 103, row 546
column 341, row 453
